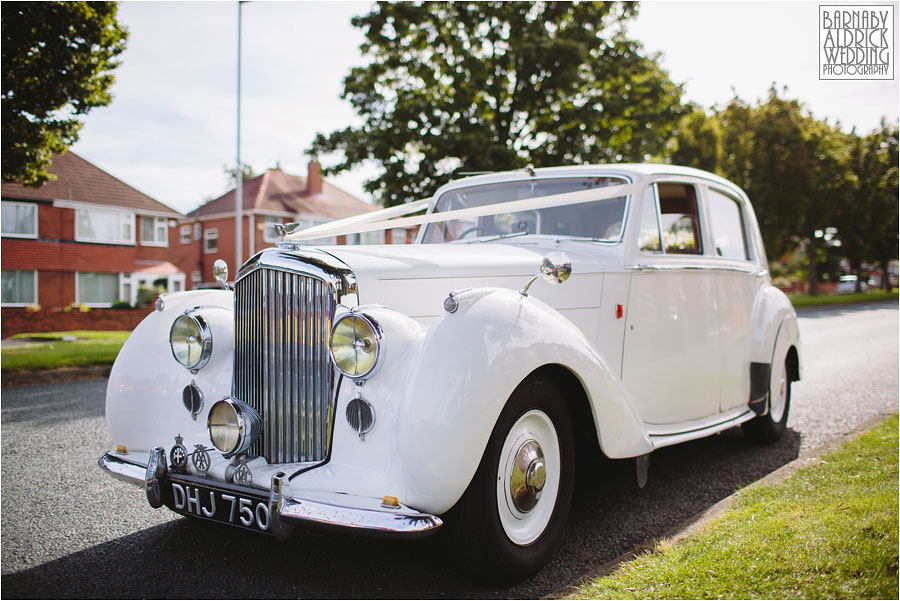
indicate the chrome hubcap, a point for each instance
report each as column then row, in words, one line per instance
column 528, row 476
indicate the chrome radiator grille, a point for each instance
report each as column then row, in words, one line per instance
column 281, row 363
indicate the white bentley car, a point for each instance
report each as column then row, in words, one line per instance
column 386, row 389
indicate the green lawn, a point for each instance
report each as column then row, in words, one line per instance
column 827, row 532
column 50, row 350
column 804, row 300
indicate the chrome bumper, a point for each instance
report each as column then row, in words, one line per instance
column 357, row 514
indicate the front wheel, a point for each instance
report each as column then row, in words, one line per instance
column 770, row 427
column 512, row 517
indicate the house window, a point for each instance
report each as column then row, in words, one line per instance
column 196, row 279
column 19, row 287
column 97, row 289
column 154, row 231
column 185, row 231
column 376, row 237
column 270, row 234
column 110, row 227
column 19, row 219
column 398, row 236
column 198, row 231
column 310, row 222
column 211, row 240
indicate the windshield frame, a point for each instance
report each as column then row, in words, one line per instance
column 523, row 177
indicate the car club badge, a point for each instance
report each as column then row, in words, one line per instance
column 178, row 455
column 200, row 459
column 239, row 473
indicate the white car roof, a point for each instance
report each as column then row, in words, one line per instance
column 635, row 171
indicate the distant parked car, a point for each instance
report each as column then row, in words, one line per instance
column 847, row 285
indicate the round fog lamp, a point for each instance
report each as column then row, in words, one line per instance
column 233, row 426
column 191, row 341
column 355, row 343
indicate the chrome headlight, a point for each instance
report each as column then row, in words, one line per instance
column 191, row 341
column 355, row 344
column 233, row 426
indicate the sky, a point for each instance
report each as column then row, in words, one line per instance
column 171, row 128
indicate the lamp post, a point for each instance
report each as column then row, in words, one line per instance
column 239, row 173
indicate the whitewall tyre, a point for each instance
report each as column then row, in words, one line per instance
column 512, row 517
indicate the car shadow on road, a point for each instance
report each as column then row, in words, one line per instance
column 188, row 558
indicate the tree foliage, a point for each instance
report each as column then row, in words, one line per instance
column 484, row 86
column 803, row 175
column 58, row 59
column 247, row 173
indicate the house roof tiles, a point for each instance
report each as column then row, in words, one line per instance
column 80, row 181
column 276, row 190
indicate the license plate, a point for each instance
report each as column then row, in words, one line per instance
column 234, row 507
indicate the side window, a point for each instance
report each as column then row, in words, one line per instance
column 648, row 237
column 679, row 219
column 727, row 223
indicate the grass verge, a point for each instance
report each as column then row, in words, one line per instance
column 827, row 532
column 804, row 300
column 50, row 350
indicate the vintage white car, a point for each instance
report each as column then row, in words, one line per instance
column 376, row 388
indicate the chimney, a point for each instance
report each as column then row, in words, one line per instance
column 314, row 178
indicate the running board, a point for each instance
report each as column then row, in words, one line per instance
column 667, row 439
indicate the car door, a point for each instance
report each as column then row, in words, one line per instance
column 670, row 366
column 739, row 276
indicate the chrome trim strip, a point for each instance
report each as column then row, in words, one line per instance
column 657, row 267
column 402, row 522
column 122, row 469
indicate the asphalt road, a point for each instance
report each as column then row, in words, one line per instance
column 70, row 531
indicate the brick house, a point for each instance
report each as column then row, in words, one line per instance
column 85, row 238
column 275, row 197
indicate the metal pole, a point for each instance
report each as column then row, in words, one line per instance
column 239, row 174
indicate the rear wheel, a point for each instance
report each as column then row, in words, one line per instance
column 770, row 427
column 512, row 517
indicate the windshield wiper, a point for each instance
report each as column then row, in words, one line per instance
column 594, row 239
column 500, row 237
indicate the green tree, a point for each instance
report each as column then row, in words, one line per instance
column 247, row 173
column 483, row 86
column 795, row 169
column 698, row 142
column 879, row 184
column 58, row 59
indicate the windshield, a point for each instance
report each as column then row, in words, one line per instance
column 596, row 220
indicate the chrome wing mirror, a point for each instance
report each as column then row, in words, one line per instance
column 220, row 272
column 556, row 267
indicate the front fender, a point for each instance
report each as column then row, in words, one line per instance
column 144, row 394
column 463, row 371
